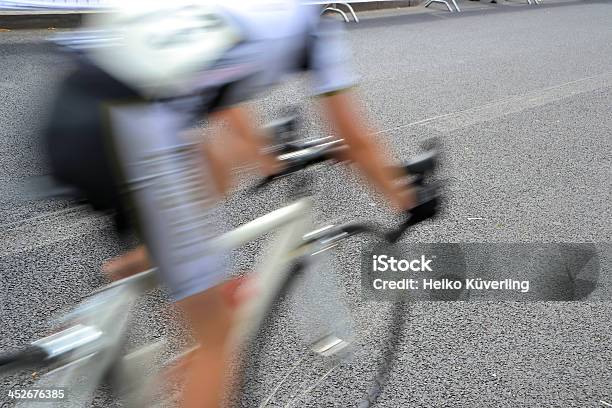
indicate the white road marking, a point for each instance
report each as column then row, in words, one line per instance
column 8, row 85
column 41, row 231
column 493, row 110
column 49, row 214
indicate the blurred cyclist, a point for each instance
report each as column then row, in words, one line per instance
column 161, row 66
column 277, row 37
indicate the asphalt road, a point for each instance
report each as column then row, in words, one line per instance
column 520, row 97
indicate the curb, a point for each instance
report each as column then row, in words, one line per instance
column 381, row 5
column 24, row 20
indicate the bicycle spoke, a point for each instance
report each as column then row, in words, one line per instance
column 277, row 387
column 319, row 381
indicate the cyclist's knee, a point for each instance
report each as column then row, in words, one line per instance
column 209, row 314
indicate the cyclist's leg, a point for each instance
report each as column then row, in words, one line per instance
column 210, row 317
column 132, row 262
column 176, row 219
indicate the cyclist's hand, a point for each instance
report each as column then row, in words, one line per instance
column 407, row 198
column 427, row 202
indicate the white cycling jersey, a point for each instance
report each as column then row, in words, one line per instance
column 173, row 49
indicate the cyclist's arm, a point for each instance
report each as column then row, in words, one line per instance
column 239, row 143
column 329, row 61
column 248, row 135
column 341, row 110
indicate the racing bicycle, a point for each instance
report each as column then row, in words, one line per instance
column 334, row 355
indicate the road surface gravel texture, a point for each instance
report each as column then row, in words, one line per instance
column 520, row 97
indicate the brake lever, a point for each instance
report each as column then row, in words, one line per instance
column 427, row 208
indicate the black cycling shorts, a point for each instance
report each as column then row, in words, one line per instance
column 79, row 141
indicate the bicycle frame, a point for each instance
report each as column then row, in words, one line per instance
column 293, row 223
column 88, row 346
column 91, row 346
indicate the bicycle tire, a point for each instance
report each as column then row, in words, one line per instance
column 251, row 390
column 19, row 360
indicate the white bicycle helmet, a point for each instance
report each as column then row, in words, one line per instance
column 159, row 46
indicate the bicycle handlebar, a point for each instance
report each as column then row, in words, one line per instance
column 303, row 156
column 425, row 210
column 306, row 154
column 318, row 151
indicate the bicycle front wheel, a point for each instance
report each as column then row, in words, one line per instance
column 322, row 343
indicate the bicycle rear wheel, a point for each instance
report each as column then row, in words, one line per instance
column 322, row 343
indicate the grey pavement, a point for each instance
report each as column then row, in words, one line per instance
column 520, row 97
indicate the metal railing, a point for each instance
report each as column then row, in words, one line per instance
column 75, row 5
column 53, row 4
